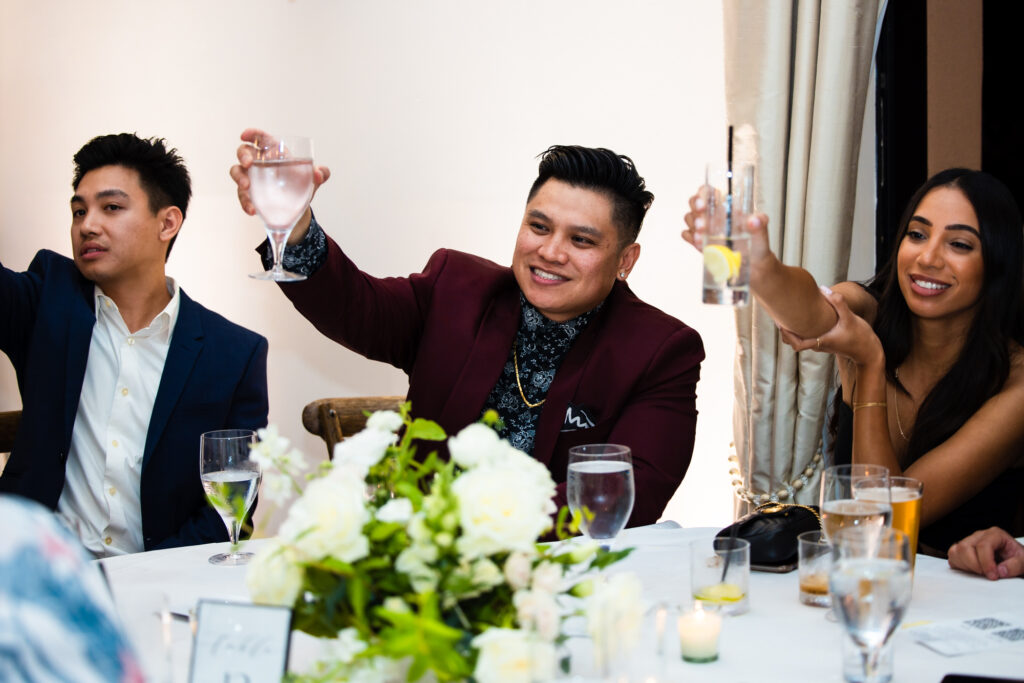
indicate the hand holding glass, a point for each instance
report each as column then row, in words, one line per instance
column 281, row 186
column 726, row 243
column 600, row 487
column 230, row 480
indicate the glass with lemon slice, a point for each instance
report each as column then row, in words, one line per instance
column 712, row 582
column 725, row 243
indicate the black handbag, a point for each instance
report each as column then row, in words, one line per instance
column 771, row 529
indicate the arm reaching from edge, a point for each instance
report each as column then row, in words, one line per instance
column 789, row 294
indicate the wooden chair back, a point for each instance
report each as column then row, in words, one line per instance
column 333, row 419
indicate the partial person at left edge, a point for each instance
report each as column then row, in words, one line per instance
column 119, row 370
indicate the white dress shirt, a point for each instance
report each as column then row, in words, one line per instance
column 100, row 500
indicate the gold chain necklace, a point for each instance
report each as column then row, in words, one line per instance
column 896, row 402
column 515, row 360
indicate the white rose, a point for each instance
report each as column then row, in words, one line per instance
column 538, row 610
column 414, row 562
column 328, row 520
column 529, row 467
column 385, row 421
column 501, row 509
column 474, row 445
column 277, row 488
column 294, row 459
column 418, row 530
column 342, row 648
column 547, row 577
column 486, row 574
column 395, row 510
column 517, row 569
column 274, row 576
column 393, row 603
column 364, row 450
column 270, row 447
column 512, row 656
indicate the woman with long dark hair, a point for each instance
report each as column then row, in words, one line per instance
column 930, row 357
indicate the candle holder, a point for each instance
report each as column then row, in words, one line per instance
column 698, row 634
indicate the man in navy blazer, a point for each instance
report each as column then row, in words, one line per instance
column 558, row 344
column 119, row 370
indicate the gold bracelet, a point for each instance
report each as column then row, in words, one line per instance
column 869, row 404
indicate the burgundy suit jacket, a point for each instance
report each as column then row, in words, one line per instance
column 634, row 369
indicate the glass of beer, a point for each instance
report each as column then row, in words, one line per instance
column 905, row 497
column 855, row 495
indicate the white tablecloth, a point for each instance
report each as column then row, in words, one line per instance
column 778, row 640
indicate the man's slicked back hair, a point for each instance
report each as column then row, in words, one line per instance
column 603, row 171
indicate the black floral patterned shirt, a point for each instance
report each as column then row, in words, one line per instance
column 303, row 258
column 540, row 345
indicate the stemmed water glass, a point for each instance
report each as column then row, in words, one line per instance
column 230, row 480
column 600, row 487
column 870, row 582
column 281, row 186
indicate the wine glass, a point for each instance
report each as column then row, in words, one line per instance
column 855, row 495
column 870, row 583
column 230, row 480
column 281, row 186
column 600, row 487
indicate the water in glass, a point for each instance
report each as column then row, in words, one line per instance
column 606, row 489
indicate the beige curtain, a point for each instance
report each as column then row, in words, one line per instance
column 797, row 74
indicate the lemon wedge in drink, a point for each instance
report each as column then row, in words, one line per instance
column 720, row 592
column 721, row 262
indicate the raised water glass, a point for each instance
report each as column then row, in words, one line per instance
column 281, row 187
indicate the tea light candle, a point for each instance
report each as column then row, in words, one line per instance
column 698, row 635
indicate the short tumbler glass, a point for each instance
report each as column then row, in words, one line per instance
column 714, row 584
column 815, row 562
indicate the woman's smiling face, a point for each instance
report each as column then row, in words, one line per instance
column 940, row 264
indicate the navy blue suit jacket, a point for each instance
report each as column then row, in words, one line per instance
column 215, row 377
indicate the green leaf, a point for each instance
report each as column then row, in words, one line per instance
column 381, row 531
column 410, row 491
column 605, row 558
column 560, row 530
column 334, row 565
column 425, row 430
column 357, row 597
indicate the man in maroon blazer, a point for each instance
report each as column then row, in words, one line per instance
column 558, row 344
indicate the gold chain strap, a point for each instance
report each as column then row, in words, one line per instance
column 776, row 507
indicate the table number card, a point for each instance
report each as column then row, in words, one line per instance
column 240, row 643
column 968, row 636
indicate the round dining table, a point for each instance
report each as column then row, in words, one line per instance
column 779, row 639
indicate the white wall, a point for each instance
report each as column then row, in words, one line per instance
column 430, row 115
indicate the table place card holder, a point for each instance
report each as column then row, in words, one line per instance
column 240, row 643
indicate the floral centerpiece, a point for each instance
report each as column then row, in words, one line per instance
column 417, row 567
